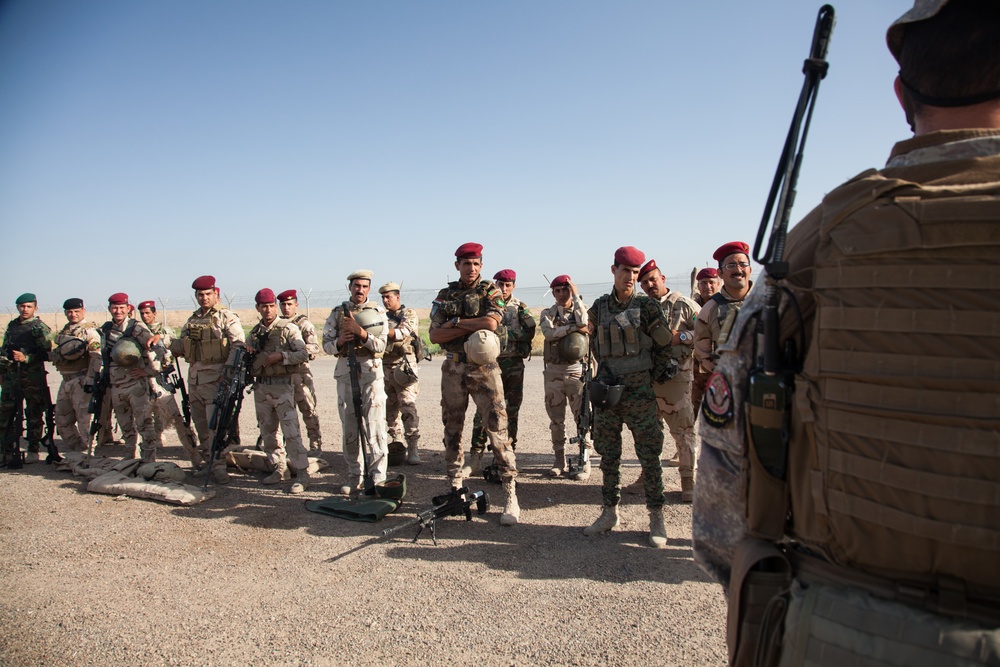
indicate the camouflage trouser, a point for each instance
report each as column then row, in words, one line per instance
column 32, row 387
column 132, row 399
column 673, row 404
column 373, row 407
column 71, row 416
column 459, row 381
column 166, row 413
column 305, row 399
column 106, row 434
column 561, row 388
column 275, row 405
column 402, row 402
column 637, row 410
column 512, row 377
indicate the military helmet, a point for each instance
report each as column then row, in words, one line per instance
column 403, row 375
column 397, row 453
column 126, row 352
column 72, row 349
column 392, row 489
column 370, row 320
column 482, row 347
column 573, row 347
column 604, row 396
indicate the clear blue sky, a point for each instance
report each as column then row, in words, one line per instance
column 284, row 144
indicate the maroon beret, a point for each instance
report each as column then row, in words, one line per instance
column 288, row 294
column 507, row 275
column 264, row 296
column 649, row 266
column 469, row 251
column 629, row 256
column 707, row 273
column 203, row 282
column 147, row 304
column 560, row 281
column 731, row 248
column 117, row 299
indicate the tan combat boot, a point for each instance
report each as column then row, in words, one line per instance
column 280, row 474
column 687, row 489
column 220, row 475
column 511, row 511
column 352, row 486
column 301, row 483
column 559, row 465
column 657, row 531
column 582, row 474
column 473, row 465
column 412, row 455
column 604, row 523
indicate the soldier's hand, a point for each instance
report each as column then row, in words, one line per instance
column 273, row 358
column 572, row 289
column 350, row 325
column 152, row 341
column 88, row 389
column 17, row 355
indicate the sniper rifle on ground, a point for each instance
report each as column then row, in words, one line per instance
column 455, row 503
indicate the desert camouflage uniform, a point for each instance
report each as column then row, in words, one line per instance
column 274, row 397
column 32, row 336
column 303, row 385
column 637, row 407
column 130, row 395
column 520, row 325
column 401, row 402
column 712, row 326
column 461, row 379
column 208, row 342
column 165, row 410
column 563, row 381
column 72, row 402
column 673, row 397
column 372, row 381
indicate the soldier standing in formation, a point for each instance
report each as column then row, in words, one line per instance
column 716, row 317
column 77, row 357
column 566, row 349
column 708, row 285
column 402, row 383
column 464, row 316
column 208, row 342
column 673, row 394
column 26, row 347
column 343, row 331
column 165, row 410
column 631, row 343
column 278, row 352
column 302, row 381
column 125, row 344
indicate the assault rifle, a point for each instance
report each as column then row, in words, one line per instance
column 172, row 376
column 228, row 401
column 362, row 419
column 15, row 425
column 50, row 427
column 99, row 390
column 455, row 503
column 584, row 422
column 771, row 383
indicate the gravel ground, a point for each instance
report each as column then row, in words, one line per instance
column 251, row 577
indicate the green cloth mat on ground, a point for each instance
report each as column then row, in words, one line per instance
column 369, row 511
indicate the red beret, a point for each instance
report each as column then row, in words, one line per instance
column 469, row 251
column 629, row 256
column 264, row 296
column 707, row 273
column 650, row 266
column 117, row 299
column 507, row 275
column 288, row 294
column 203, row 282
column 560, row 281
column 147, row 304
column 731, row 248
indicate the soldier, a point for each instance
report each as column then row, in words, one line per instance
column 125, row 342
column 851, row 510
column 302, row 381
column 464, row 317
column 402, row 383
column 350, row 328
column 26, row 347
column 716, row 317
column 631, row 343
column 708, row 286
column 566, row 348
column 208, row 342
column 77, row 357
column 673, row 395
column 278, row 352
column 165, row 411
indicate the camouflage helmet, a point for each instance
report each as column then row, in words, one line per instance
column 370, row 320
column 482, row 347
column 403, row 375
column 72, row 349
column 126, row 352
column 573, row 347
column 603, row 396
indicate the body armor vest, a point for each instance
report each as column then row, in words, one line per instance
column 202, row 343
column 550, row 348
column 621, row 344
column 458, row 301
column 73, row 336
column 266, row 341
column 396, row 350
column 512, row 323
column 726, row 313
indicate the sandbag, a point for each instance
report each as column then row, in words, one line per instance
column 161, row 471
column 117, row 484
column 255, row 459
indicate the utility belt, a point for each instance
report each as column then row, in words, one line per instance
column 456, row 356
column 274, row 379
column 74, row 375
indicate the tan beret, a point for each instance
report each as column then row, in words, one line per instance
column 362, row 274
column 388, row 287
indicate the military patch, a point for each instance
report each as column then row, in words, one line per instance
column 717, row 407
column 435, row 305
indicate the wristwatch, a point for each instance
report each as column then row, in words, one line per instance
column 686, row 337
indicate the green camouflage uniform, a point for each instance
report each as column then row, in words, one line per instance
column 28, row 377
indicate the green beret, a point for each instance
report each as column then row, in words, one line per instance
column 27, row 297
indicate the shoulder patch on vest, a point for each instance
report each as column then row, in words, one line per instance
column 717, row 408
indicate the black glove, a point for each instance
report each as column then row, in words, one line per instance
column 88, row 389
